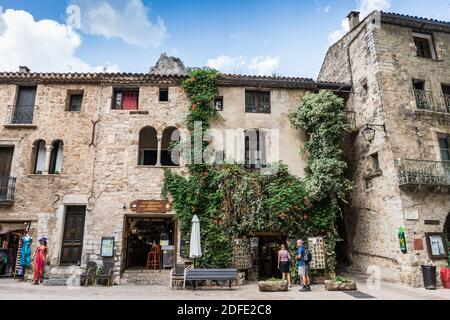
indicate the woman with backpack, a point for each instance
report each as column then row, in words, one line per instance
column 284, row 261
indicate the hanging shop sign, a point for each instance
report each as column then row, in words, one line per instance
column 150, row 206
column 316, row 246
column 107, row 248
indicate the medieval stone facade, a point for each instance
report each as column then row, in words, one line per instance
column 400, row 70
column 99, row 162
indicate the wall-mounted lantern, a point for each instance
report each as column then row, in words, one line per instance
column 369, row 131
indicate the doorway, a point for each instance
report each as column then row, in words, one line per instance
column 447, row 235
column 10, row 235
column 141, row 234
column 72, row 244
column 268, row 247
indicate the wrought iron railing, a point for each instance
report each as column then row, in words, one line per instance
column 447, row 102
column 423, row 172
column 22, row 114
column 424, row 100
column 7, row 188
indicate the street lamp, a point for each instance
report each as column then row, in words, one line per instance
column 369, row 131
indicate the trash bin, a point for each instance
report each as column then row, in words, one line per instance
column 429, row 277
column 445, row 275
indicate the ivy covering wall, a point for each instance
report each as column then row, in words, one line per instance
column 231, row 201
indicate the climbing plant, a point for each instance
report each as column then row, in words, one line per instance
column 231, row 201
column 321, row 116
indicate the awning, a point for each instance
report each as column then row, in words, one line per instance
column 11, row 227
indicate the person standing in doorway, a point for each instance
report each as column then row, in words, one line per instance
column 303, row 266
column 284, row 259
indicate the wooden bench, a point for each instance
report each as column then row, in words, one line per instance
column 195, row 275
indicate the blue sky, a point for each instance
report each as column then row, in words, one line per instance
column 288, row 37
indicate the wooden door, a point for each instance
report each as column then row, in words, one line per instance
column 24, row 109
column 6, row 156
column 72, row 244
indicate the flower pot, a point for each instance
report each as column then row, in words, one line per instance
column 273, row 286
column 331, row 285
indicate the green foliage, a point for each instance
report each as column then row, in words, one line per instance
column 231, row 201
column 321, row 115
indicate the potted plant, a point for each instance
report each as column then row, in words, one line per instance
column 340, row 283
column 273, row 285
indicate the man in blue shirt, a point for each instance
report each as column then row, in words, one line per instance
column 303, row 266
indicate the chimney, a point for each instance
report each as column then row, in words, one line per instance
column 353, row 19
column 24, row 69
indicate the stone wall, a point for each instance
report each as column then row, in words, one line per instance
column 100, row 164
column 381, row 62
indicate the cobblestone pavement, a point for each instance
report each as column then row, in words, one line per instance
column 15, row 290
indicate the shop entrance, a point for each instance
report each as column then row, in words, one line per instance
column 268, row 246
column 10, row 236
column 143, row 235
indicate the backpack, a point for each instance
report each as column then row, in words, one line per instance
column 307, row 256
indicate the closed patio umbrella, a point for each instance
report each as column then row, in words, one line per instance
column 195, row 249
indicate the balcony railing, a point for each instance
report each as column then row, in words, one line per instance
column 447, row 102
column 22, row 114
column 7, row 188
column 424, row 100
column 423, row 172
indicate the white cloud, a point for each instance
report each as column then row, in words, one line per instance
column 260, row 65
column 227, row 64
column 365, row 7
column 44, row 45
column 264, row 65
column 128, row 21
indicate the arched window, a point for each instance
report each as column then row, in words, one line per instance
column 170, row 157
column 148, row 147
column 56, row 157
column 255, row 149
column 39, row 157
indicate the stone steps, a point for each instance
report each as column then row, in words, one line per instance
column 145, row 277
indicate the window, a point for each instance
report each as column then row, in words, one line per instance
column 257, row 101
column 163, row 94
column 375, row 162
column 75, row 100
column 444, row 146
column 424, row 99
column 24, row 109
column 446, row 93
column 6, row 181
column 125, row 99
column 255, row 149
column 169, row 157
column 218, row 103
column 39, row 157
column 437, row 246
column 148, row 147
column 56, row 157
column 424, row 45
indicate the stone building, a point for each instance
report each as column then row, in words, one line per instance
column 83, row 157
column 400, row 70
